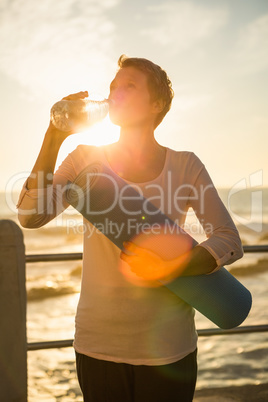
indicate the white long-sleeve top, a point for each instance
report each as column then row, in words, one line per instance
column 116, row 319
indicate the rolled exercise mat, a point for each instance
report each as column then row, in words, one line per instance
column 218, row 296
column 107, row 201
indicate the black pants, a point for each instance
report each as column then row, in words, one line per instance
column 103, row 381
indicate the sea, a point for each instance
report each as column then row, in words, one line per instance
column 53, row 293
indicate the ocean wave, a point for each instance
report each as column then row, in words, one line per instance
column 264, row 237
column 248, row 270
column 42, row 287
column 44, row 292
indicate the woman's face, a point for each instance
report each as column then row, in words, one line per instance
column 131, row 104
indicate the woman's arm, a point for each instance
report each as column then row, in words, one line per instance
column 199, row 262
column 223, row 241
column 223, row 244
column 42, row 173
column 149, row 266
column 41, row 198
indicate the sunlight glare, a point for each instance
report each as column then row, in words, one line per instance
column 101, row 133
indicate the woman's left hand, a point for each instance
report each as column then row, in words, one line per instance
column 149, row 266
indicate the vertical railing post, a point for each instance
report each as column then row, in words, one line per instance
column 13, row 343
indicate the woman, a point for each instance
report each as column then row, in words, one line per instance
column 135, row 343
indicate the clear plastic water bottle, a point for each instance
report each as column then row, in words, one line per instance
column 78, row 114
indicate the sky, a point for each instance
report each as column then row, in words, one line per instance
column 215, row 53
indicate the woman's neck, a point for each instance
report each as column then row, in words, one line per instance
column 140, row 144
column 137, row 156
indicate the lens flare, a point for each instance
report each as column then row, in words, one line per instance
column 159, row 256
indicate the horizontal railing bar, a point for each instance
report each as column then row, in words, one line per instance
column 238, row 330
column 50, row 344
column 53, row 257
column 79, row 256
column 201, row 332
column 260, row 248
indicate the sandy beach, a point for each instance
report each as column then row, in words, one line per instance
column 245, row 393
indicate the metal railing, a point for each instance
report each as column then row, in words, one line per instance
column 201, row 332
column 79, row 256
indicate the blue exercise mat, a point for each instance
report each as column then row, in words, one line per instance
column 105, row 199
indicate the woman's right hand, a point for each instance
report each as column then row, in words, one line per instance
column 64, row 134
column 77, row 95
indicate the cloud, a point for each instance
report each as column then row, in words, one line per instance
column 251, row 53
column 184, row 24
column 50, row 45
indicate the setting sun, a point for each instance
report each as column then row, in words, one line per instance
column 101, row 133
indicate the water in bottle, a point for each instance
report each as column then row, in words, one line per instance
column 78, row 114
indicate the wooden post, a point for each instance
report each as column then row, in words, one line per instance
column 13, row 342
